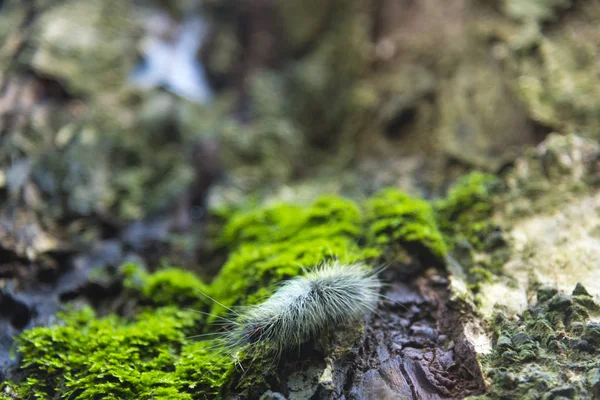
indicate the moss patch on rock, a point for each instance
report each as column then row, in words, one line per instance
column 150, row 356
column 171, row 286
column 396, row 217
column 465, row 217
column 544, row 352
column 113, row 358
column 153, row 355
column 274, row 243
column 465, row 214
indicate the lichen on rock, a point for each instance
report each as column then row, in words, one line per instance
column 535, row 353
column 544, row 348
column 544, row 210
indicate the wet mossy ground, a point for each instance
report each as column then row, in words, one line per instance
column 153, row 354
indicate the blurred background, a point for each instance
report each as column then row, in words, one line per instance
column 122, row 122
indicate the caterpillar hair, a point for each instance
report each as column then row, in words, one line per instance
column 305, row 306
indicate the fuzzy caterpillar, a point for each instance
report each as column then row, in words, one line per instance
column 305, row 306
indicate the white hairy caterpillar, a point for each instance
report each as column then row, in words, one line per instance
column 305, row 306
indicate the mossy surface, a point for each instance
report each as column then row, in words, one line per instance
column 545, row 352
column 112, row 358
column 153, row 354
column 150, row 357
column 465, row 219
column 173, row 286
column 275, row 243
column 465, row 214
column 396, row 217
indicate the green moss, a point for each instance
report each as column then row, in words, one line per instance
column 533, row 354
column 167, row 287
column 153, row 355
column 465, row 213
column 465, row 219
column 395, row 217
column 201, row 369
column 463, row 216
column 275, row 243
column 326, row 217
column 173, row 286
column 112, row 358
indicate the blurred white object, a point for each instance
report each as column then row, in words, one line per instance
column 170, row 58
